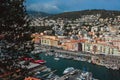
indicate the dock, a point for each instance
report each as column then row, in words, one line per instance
column 49, row 73
column 77, row 75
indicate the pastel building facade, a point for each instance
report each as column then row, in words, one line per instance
column 72, row 45
column 96, row 47
column 116, row 43
column 36, row 38
column 50, row 41
column 100, row 48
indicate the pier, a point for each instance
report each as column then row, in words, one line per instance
column 77, row 74
column 48, row 73
column 109, row 61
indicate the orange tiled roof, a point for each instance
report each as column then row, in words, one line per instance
column 76, row 41
column 90, row 33
column 31, row 78
column 50, row 37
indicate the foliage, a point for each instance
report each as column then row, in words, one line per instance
column 16, row 39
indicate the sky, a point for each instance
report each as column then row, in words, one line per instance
column 59, row 6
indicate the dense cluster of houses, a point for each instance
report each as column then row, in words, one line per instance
column 85, row 19
column 90, row 33
column 84, row 45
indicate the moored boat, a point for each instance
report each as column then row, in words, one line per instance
column 56, row 58
column 39, row 61
column 68, row 70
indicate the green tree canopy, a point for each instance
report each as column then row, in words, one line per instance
column 15, row 32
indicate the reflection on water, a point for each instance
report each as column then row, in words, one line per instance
column 99, row 72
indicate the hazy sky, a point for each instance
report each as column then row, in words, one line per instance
column 57, row 6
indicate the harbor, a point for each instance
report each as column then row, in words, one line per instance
column 69, row 73
column 97, row 71
column 109, row 61
column 59, row 40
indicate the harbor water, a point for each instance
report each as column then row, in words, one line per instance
column 99, row 72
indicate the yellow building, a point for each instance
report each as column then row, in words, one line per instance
column 50, row 41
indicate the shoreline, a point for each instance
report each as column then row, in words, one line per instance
column 99, row 59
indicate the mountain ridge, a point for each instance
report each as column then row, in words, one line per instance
column 76, row 14
column 38, row 14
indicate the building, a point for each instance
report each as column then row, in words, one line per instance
column 36, row 38
column 87, row 47
column 100, row 48
column 116, row 43
column 31, row 78
column 72, row 45
column 50, row 41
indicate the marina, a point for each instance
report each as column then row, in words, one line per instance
column 97, row 71
column 59, row 40
column 98, row 59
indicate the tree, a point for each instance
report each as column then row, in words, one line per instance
column 14, row 25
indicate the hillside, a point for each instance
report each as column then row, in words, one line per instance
column 78, row 14
column 38, row 14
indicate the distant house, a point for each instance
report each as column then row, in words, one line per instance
column 48, row 32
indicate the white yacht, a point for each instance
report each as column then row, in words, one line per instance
column 68, row 70
column 56, row 58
